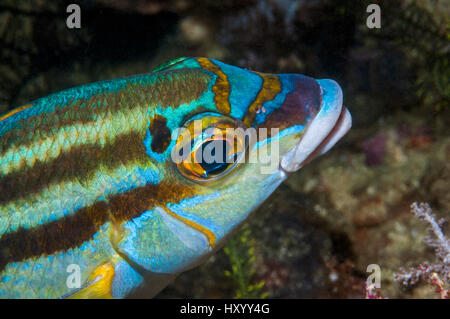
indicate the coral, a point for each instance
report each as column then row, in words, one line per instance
column 369, row 205
column 438, row 273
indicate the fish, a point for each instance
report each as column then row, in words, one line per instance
column 112, row 189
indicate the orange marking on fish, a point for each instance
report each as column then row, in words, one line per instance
column 205, row 231
column 17, row 110
column 221, row 88
column 270, row 88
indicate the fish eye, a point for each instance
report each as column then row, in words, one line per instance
column 209, row 146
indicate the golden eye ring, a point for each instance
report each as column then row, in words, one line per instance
column 209, row 146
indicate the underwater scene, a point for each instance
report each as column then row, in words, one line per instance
column 235, row 149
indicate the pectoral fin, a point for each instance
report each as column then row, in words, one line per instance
column 98, row 286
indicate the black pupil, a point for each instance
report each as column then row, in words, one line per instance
column 215, row 165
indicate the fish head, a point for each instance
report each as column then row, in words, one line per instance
column 255, row 130
column 229, row 149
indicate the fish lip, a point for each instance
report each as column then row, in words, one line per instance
column 329, row 125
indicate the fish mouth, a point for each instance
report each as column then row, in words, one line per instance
column 329, row 125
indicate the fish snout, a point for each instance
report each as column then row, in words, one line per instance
column 323, row 131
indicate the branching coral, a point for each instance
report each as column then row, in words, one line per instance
column 438, row 273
